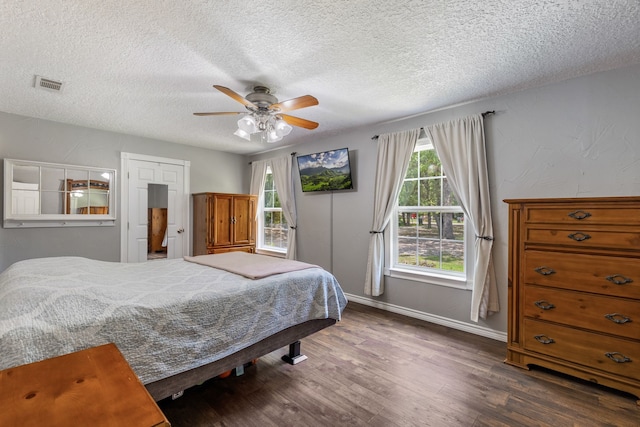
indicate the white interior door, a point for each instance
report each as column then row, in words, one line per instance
column 141, row 173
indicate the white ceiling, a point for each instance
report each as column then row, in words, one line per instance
column 143, row 67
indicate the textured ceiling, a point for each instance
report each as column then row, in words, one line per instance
column 143, row 67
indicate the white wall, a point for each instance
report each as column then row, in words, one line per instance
column 577, row 138
column 40, row 140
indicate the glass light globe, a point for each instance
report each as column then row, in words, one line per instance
column 283, row 128
column 272, row 136
column 248, row 124
column 242, row 134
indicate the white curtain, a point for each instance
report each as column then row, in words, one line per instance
column 258, row 174
column 461, row 148
column 283, row 181
column 394, row 154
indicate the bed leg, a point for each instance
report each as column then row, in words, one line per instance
column 294, row 357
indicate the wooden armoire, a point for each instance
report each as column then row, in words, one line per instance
column 157, row 226
column 224, row 222
column 574, row 288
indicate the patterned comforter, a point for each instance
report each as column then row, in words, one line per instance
column 165, row 316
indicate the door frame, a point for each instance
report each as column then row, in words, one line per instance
column 124, row 199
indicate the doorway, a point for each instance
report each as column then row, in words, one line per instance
column 149, row 185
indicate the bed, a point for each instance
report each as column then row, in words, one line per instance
column 176, row 322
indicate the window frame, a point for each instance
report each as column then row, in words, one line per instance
column 459, row 280
column 261, row 247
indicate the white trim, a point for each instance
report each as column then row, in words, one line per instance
column 431, row 318
column 431, row 277
column 277, row 254
column 147, row 158
column 124, row 197
column 42, row 223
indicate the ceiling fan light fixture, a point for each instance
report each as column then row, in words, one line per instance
column 282, row 128
column 264, row 114
column 242, row 134
column 272, row 136
column 263, row 124
column 248, row 124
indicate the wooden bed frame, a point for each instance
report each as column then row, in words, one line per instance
column 166, row 387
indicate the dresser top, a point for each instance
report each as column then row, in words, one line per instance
column 616, row 199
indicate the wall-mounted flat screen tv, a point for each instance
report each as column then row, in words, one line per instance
column 325, row 171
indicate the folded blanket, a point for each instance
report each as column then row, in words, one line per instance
column 253, row 266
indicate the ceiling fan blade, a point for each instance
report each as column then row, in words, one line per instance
column 297, row 121
column 294, row 104
column 216, row 114
column 235, row 96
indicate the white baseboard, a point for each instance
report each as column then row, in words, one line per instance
column 432, row 318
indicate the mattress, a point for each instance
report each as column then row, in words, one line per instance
column 165, row 316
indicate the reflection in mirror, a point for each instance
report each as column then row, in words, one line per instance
column 25, row 190
column 157, row 231
column 87, row 197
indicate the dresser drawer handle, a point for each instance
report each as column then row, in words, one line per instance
column 618, row 318
column 617, row 357
column 545, row 271
column 544, row 305
column 579, row 236
column 619, row 279
column 579, row 214
column 543, row 339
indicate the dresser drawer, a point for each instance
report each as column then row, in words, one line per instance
column 583, row 214
column 599, row 313
column 616, row 276
column 585, row 348
column 585, row 237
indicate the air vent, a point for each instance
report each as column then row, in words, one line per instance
column 48, row 84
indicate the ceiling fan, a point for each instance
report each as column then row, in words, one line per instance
column 265, row 113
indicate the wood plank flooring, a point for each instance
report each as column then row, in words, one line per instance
column 376, row 368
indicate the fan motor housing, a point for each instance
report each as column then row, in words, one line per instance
column 261, row 96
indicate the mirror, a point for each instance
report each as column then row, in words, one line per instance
column 157, row 239
column 41, row 194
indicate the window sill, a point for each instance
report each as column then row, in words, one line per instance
column 271, row 252
column 431, row 278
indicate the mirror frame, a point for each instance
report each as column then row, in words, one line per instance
column 93, row 218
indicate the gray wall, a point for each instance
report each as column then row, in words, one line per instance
column 40, row 140
column 577, row 138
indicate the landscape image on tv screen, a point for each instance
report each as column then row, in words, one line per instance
column 325, row 171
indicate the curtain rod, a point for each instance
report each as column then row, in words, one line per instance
column 486, row 113
column 292, row 154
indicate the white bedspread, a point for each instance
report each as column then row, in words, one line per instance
column 165, row 316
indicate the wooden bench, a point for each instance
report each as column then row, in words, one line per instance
column 93, row 387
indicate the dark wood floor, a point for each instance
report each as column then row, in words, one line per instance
column 376, row 368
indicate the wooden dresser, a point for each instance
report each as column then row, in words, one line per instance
column 224, row 222
column 574, row 288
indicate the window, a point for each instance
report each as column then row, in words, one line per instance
column 273, row 229
column 428, row 232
